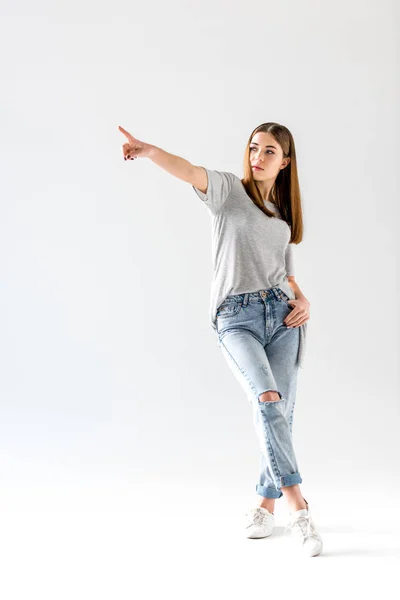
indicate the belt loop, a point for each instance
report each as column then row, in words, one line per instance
column 246, row 299
column 277, row 293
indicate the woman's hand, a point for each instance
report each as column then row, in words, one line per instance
column 300, row 313
column 134, row 148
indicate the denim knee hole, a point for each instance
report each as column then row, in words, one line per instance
column 265, row 401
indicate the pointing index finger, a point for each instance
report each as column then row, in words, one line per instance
column 126, row 133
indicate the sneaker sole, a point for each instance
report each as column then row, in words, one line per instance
column 254, row 536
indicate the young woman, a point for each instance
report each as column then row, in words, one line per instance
column 257, row 309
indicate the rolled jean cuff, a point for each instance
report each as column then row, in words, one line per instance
column 268, row 492
column 291, row 479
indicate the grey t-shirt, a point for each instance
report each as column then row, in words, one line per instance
column 250, row 251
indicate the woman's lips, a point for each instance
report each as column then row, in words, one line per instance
column 258, row 169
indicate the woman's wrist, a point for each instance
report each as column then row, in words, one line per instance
column 151, row 151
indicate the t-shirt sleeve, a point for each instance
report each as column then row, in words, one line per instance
column 219, row 186
column 289, row 260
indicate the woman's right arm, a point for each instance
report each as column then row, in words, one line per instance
column 179, row 167
column 176, row 165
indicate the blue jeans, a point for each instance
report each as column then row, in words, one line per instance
column 261, row 351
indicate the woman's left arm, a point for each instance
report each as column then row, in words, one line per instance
column 301, row 306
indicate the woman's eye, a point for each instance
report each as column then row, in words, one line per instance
column 255, row 149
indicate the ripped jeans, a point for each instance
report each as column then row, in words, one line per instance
column 261, row 351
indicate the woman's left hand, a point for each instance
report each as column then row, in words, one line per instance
column 300, row 313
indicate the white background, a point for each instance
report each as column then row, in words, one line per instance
column 124, row 437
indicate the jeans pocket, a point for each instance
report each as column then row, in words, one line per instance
column 230, row 307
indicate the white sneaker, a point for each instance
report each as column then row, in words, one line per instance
column 304, row 531
column 260, row 522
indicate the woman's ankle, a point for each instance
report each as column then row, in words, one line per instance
column 268, row 503
column 297, row 505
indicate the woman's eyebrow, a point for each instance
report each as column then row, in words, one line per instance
column 269, row 146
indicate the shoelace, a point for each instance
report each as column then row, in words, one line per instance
column 304, row 527
column 257, row 516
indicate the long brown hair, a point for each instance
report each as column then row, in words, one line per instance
column 286, row 189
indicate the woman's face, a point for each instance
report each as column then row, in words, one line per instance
column 266, row 153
